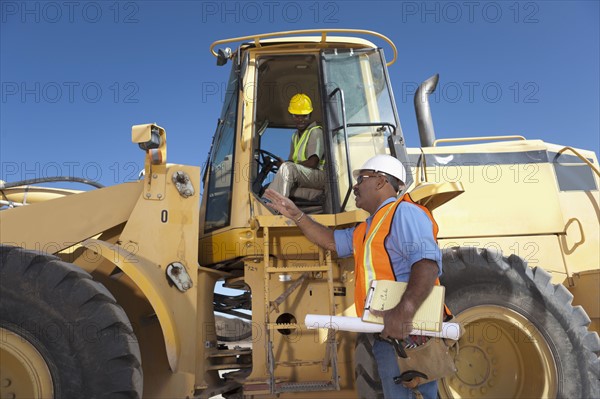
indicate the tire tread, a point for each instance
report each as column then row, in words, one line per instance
column 68, row 296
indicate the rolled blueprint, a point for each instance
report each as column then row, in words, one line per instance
column 355, row 324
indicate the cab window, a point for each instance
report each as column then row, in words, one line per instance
column 221, row 164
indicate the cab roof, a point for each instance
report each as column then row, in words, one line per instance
column 292, row 38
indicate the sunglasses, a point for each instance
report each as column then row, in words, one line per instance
column 359, row 179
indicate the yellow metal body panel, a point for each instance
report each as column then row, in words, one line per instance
column 52, row 226
column 231, row 243
column 525, row 191
column 433, row 195
column 581, row 238
column 164, row 232
column 556, row 230
column 584, row 287
column 149, row 277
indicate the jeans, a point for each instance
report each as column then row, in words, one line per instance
column 385, row 356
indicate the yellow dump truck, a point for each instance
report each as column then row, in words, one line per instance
column 110, row 293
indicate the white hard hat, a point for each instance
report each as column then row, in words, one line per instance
column 383, row 163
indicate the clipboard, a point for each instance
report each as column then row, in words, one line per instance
column 386, row 294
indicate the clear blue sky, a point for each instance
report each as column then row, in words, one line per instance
column 76, row 75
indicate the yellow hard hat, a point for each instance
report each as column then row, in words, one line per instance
column 300, row 104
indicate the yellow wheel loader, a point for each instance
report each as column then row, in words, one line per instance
column 112, row 292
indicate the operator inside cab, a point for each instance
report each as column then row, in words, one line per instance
column 304, row 167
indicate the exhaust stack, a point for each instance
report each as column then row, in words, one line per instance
column 423, row 110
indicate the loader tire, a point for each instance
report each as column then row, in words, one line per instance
column 368, row 384
column 63, row 334
column 522, row 337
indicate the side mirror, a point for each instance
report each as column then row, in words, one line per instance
column 147, row 136
column 223, row 55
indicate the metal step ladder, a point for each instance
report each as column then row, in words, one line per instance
column 329, row 359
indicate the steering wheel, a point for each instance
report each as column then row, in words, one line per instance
column 268, row 160
column 267, row 163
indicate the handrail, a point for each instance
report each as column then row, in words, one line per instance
column 323, row 32
column 584, row 159
column 50, row 179
column 347, row 146
column 484, row 138
column 368, row 124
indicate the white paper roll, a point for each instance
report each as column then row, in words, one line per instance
column 355, row 324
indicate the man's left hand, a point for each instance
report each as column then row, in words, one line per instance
column 396, row 323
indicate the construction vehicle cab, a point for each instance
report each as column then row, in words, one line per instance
column 350, row 92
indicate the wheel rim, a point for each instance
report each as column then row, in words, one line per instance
column 23, row 371
column 501, row 355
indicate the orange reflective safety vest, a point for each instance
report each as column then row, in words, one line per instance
column 371, row 259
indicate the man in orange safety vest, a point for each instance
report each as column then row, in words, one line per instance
column 396, row 242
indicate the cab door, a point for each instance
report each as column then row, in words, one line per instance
column 360, row 114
